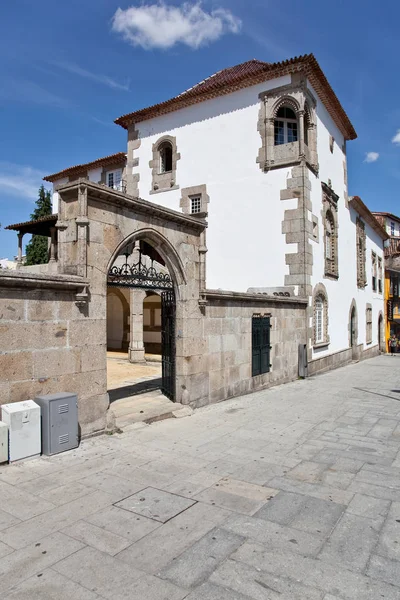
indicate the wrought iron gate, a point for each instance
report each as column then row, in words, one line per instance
column 168, row 344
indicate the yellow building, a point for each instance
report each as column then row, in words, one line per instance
column 391, row 224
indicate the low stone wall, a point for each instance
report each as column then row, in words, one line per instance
column 224, row 370
column 341, row 358
column 48, row 344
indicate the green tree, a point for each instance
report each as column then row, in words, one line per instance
column 37, row 249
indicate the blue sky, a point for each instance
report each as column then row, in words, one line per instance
column 68, row 69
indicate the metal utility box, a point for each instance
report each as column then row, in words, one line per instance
column 23, row 420
column 59, row 422
column 3, row 442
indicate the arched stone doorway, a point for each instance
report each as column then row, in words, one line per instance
column 139, row 268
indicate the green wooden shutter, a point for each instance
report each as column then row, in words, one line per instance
column 260, row 345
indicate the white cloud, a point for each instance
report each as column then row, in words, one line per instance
column 396, row 138
column 102, row 79
column 371, row 157
column 161, row 26
column 19, row 180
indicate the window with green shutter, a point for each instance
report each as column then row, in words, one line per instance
column 261, row 328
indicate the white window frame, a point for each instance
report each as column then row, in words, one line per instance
column 392, row 228
column 319, row 319
column 285, row 122
column 116, row 179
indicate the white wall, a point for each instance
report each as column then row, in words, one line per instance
column 218, row 142
column 95, row 174
column 55, row 198
column 341, row 292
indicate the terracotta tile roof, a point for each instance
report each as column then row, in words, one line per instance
column 244, row 75
column 363, row 210
column 381, row 216
column 77, row 170
column 34, row 226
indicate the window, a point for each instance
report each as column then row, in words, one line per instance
column 195, row 204
column 261, row 328
column 374, row 271
column 285, row 126
column 320, row 316
column 368, row 313
column 165, row 151
column 114, row 179
column 164, row 165
column 328, row 237
column 330, row 207
column 319, row 320
column 361, row 253
column 394, row 286
column 380, row 274
column 391, row 228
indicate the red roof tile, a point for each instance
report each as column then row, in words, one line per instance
column 244, row 75
column 106, row 161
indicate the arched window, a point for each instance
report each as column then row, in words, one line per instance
column 319, row 319
column 165, row 152
column 320, row 316
column 285, row 126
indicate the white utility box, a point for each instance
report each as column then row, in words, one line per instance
column 23, row 420
column 3, row 442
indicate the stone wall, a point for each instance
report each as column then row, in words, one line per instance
column 48, row 344
column 223, row 368
column 341, row 358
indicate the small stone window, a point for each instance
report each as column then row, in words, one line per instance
column 285, row 126
column 195, row 204
column 368, row 314
column 194, row 200
column 164, row 165
column 165, row 152
column 361, row 253
column 320, row 317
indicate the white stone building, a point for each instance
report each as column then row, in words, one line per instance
column 259, row 151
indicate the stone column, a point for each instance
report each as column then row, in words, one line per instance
column 19, row 257
column 136, row 346
column 53, row 244
column 300, row 119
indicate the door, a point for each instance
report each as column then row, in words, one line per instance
column 168, row 344
column 353, row 328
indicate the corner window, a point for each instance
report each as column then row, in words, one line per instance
column 392, row 226
column 285, row 126
column 260, row 335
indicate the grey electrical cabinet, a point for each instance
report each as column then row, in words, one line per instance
column 59, row 422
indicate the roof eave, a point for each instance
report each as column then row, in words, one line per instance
column 363, row 210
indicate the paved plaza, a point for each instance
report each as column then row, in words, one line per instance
column 292, row 493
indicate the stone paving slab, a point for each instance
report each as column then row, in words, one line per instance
column 298, row 484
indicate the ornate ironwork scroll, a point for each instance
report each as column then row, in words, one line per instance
column 138, row 275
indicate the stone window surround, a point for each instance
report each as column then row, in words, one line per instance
column 195, row 190
column 368, row 324
column 329, row 211
column 298, row 97
column 374, row 270
column 320, row 291
column 361, row 253
column 163, row 182
column 380, row 275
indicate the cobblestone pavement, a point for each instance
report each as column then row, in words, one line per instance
column 290, row 493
